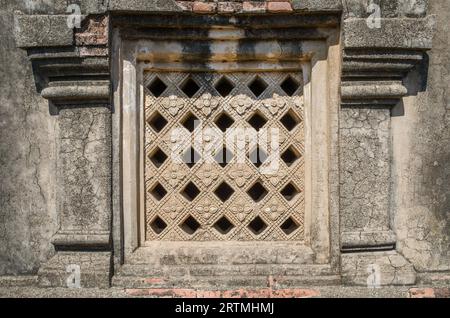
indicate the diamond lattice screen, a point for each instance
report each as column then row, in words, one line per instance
column 222, row 199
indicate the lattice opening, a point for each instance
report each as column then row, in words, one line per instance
column 157, row 122
column 290, row 191
column 190, row 87
column 224, row 86
column 257, row 192
column 223, row 225
column 257, row 121
column 157, row 87
column 190, row 191
column 257, row 226
column 191, row 157
column 158, row 157
column 190, row 225
column 258, row 156
column 257, row 86
column 224, row 191
column 190, row 122
column 158, row 192
column 158, row 225
column 290, row 156
column 290, row 120
column 223, row 157
column 289, row 226
column 290, row 86
column 223, row 121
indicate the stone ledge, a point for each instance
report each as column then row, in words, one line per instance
column 394, row 269
column 94, row 267
column 73, row 93
column 394, row 33
column 42, row 31
column 366, row 240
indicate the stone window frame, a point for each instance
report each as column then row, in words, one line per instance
column 321, row 184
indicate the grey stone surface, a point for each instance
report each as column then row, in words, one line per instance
column 365, row 169
column 42, row 30
column 84, row 171
column 388, row 8
column 393, row 33
column 27, row 160
column 390, row 267
column 421, row 156
column 94, row 270
column 317, row 5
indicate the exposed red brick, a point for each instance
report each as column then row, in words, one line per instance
column 253, row 6
column 94, row 31
column 279, row 6
column 163, row 292
column 229, row 7
column 442, row 292
column 294, row 293
column 204, row 7
column 186, row 5
column 422, row 293
column 154, row 280
column 235, row 293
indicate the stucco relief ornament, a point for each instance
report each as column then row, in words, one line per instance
column 299, row 101
column 206, row 208
column 241, row 103
column 208, row 174
column 240, row 173
column 276, row 178
column 241, row 209
column 173, row 208
column 173, row 104
column 174, row 175
column 206, row 104
column 274, row 209
column 274, row 104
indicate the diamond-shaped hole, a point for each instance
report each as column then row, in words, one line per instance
column 223, row 157
column 157, row 122
column 257, row 121
column 190, row 225
column 290, row 120
column 290, row 86
column 290, row 191
column 257, row 192
column 158, row 225
column 289, row 226
column 258, row 86
column 224, row 191
column 224, row 86
column 223, row 225
column 158, row 192
column 158, row 157
column 258, row 156
column 190, row 122
column 157, row 87
column 223, row 121
column 190, row 87
column 290, row 156
column 190, row 191
column 257, row 226
column 191, row 157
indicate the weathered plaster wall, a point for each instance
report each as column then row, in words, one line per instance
column 27, row 158
column 421, row 141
